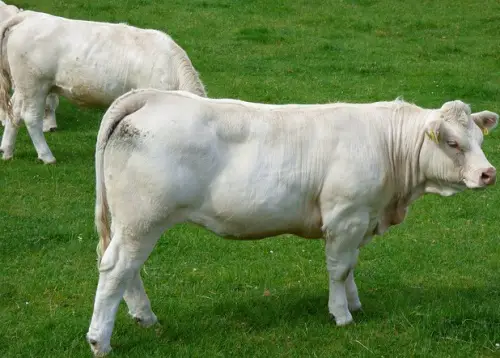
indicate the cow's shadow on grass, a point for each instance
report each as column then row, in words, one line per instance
column 441, row 311
column 72, row 118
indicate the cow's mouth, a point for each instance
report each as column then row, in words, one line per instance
column 457, row 186
column 470, row 184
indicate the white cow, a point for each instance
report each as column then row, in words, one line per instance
column 342, row 172
column 90, row 63
column 52, row 100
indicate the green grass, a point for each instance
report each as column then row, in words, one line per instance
column 430, row 287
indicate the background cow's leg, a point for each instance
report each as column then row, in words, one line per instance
column 120, row 263
column 49, row 120
column 3, row 114
column 9, row 140
column 3, row 117
column 11, row 129
column 353, row 302
column 33, row 113
column 343, row 237
column 138, row 303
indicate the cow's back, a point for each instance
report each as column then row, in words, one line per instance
column 92, row 63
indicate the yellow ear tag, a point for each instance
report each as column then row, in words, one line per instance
column 485, row 131
column 432, row 136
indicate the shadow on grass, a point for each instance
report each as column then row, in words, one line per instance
column 433, row 313
column 70, row 155
column 73, row 118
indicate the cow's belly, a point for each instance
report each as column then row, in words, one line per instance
column 85, row 96
column 240, row 228
column 245, row 217
column 91, row 85
column 89, row 94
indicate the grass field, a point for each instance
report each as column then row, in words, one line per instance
column 430, row 287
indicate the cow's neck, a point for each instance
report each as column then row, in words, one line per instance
column 404, row 145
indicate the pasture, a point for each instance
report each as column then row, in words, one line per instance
column 429, row 287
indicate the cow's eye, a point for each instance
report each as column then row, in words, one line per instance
column 452, row 144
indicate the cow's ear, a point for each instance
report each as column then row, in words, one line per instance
column 433, row 130
column 485, row 120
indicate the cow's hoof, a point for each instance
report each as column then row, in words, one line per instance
column 48, row 160
column 146, row 322
column 355, row 306
column 99, row 350
column 7, row 156
column 343, row 321
column 49, row 129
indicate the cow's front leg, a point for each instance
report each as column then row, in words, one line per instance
column 33, row 118
column 342, row 241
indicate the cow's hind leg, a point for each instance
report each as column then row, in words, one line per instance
column 120, row 265
column 353, row 302
column 11, row 129
column 139, row 306
column 3, row 114
column 3, row 117
column 49, row 119
column 343, row 236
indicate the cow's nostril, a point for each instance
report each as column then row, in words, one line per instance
column 488, row 176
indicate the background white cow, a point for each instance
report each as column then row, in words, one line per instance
column 7, row 11
column 344, row 172
column 52, row 101
column 90, row 63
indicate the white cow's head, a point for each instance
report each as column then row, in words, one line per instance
column 451, row 157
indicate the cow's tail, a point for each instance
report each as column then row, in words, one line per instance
column 5, row 80
column 124, row 105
